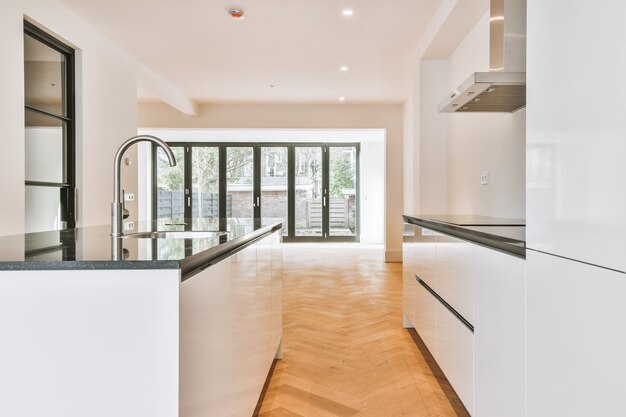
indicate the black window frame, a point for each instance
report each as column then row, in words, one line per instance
column 291, row 146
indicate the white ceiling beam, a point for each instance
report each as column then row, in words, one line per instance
column 157, row 86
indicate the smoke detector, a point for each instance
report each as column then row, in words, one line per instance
column 237, row 14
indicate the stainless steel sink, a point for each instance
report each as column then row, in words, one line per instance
column 200, row 234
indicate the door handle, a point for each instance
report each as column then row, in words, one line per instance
column 188, row 201
column 258, row 202
column 324, row 201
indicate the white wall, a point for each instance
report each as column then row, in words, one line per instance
column 106, row 88
column 293, row 116
column 492, row 142
column 450, row 151
column 372, row 190
column 433, row 129
column 106, row 109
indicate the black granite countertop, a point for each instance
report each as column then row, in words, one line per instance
column 93, row 247
column 507, row 235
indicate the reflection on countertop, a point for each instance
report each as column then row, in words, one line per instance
column 508, row 235
column 93, row 247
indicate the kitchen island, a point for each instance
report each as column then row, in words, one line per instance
column 146, row 325
column 464, row 293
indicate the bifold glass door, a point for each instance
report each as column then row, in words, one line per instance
column 274, row 184
column 342, row 191
column 309, row 201
column 312, row 188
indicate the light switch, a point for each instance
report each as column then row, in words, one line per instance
column 129, row 197
column 484, row 178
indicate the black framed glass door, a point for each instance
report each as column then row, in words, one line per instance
column 312, row 187
column 49, row 144
column 310, row 193
column 241, row 196
column 273, row 168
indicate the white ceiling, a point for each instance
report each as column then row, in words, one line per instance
column 295, row 45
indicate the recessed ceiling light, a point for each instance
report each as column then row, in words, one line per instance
column 237, row 14
column 342, row 99
column 347, row 12
column 343, row 68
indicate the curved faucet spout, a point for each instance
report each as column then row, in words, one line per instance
column 118, row 199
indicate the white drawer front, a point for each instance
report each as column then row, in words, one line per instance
column 455, row 354
column 454, row 280
column 424, row 319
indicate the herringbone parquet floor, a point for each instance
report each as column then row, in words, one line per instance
column 345, row 351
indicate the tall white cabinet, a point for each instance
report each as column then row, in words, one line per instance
column 576, row 130
column 576, row 208
column 466, row 302
column 576, row 338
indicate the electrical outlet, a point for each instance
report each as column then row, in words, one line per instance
column 129, row 225
column 484, row 178
column 129, row 197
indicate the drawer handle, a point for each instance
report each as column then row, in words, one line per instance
column 445, row 304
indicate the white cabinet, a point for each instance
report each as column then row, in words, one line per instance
column 487, row 288
column 408, row 275
column 499, row 334
column 97, row 343
column 425, row 317
column 576, row 140
column 454, row 274
column 230, row 331
column 447, row 338
column 575, row 337
column 455, row 354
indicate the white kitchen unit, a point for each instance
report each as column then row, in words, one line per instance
column 454, row 352
column 98, row 343
column 408, row 279
column 139, row 327
column 576, row 338
column 484, row 359
column 576, row 206
column 454, row 274
column 231, row 330
column 576, row 130
column 448, row 339
column 499, row 334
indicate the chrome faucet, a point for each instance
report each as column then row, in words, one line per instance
column 118, row 211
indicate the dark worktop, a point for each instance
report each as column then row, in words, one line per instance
column 507, row 235
column 93, row 247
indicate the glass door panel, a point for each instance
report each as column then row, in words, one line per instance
column 342, row 186
column 205, row 164
column 274, row 183
column 45, row 78
column 308, row 191
column 44, row 209
column 240, row 181
column 45, row 148
column 170, row 188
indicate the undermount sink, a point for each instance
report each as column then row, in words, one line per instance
column 200, row 234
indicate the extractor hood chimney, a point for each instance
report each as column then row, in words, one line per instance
column 503, row 88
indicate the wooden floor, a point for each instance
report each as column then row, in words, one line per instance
column 345, row 351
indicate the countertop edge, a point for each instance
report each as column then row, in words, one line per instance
column 484, row 239
column 196, row 263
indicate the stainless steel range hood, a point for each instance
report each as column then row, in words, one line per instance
column 503, row 88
